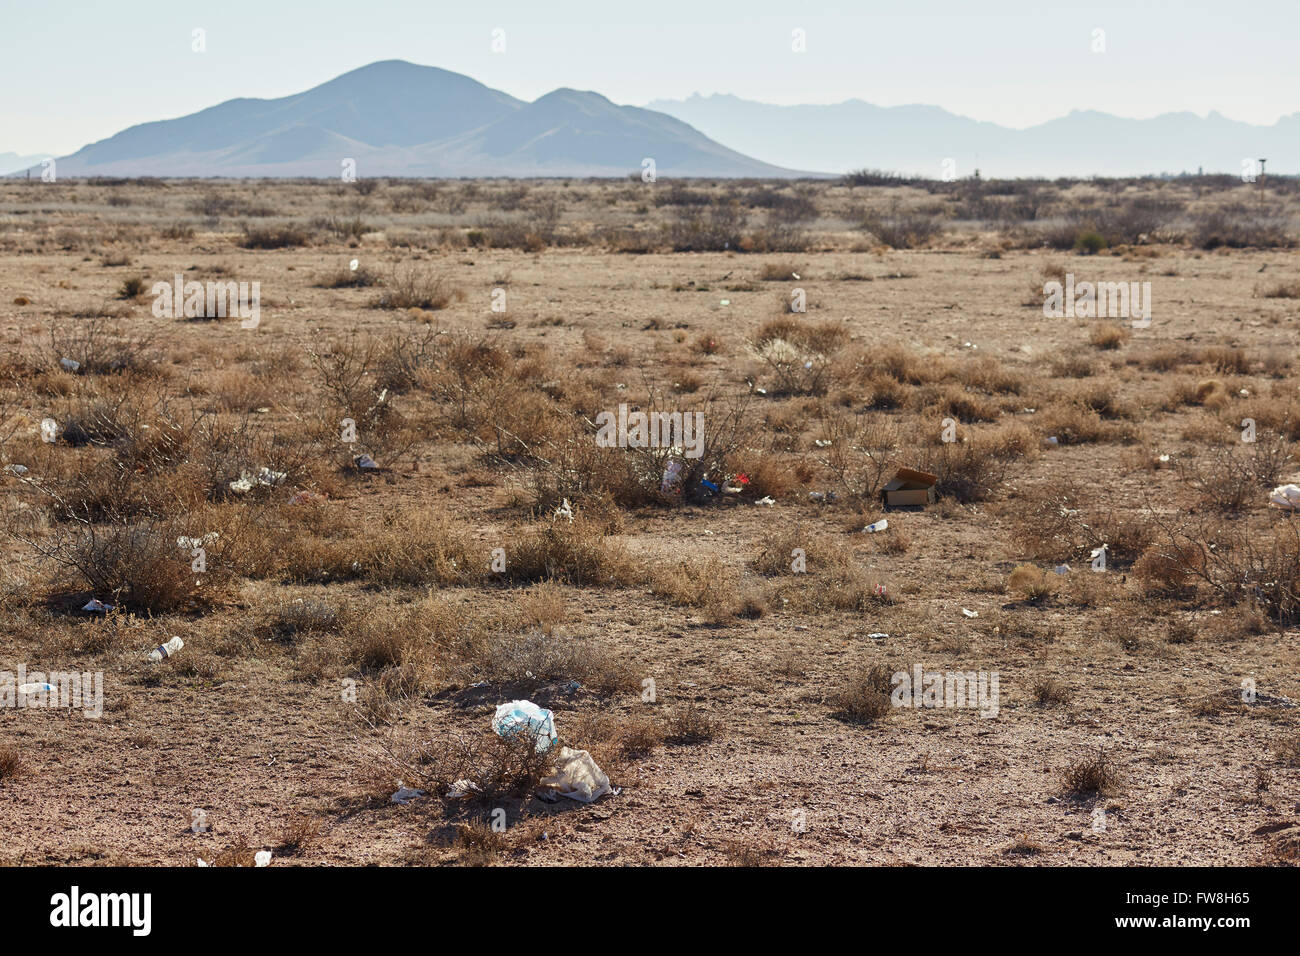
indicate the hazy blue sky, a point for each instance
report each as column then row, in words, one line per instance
column 80, row 70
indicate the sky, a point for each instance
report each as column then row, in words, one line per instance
column 81, row 70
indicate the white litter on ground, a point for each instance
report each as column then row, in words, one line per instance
column 405, row 795
column 577, row 777
column 1285, row 496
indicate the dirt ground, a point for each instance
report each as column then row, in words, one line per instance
column 1146, row 715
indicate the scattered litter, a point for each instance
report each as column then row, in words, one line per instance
column 1163, row 459
column 969, row 613
column 307, row 498
column 709, row 485
column 462, row 788
column 565, row 511
column 70, row 364
column 189, row 544
column 795, row 274
column 881, row 591
column 1062, row 569
column 823, row 442
column 16, row 469
column 27, row 690
column 163, row 651
column 911, row 487
column 1099, row 553
column 365, row 462
column 265, row 476
column 827, row 496
column 726, row 302
column 1053, row 440
column 201, row 863
column 524, row 715
column 761, row 391
column 878, row 635
column 769, row 501
column 672, row 475
column 881, row 525
column 405, row 795
column 353, row 265
column 95, row 604
column 1285, row 496
column 577, row 777
column 262, row 858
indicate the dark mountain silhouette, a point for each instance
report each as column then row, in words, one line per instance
column 399, row 119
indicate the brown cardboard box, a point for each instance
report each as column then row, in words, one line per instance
column 910, row 487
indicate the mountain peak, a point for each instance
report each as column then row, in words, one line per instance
column 398, row 118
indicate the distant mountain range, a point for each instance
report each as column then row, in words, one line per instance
column 398, row 119
column 917, row 139
column 12, row 162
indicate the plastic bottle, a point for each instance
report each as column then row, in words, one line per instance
column 166, row 650
column 880, row 525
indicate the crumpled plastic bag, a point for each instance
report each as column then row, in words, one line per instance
column 523, row 716
column 1285, row 496
column 405, row 795
column 577, row 777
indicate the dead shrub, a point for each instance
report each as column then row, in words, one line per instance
column 865, row 696
column 1241, row 565
column 798, row 354
column 690, row 725
column 1031, row 582
column 1091, row 776
column 274, row 237
column 863, row 453
column 299, row 834
column 575, row 552
column 495, row 767
column 11, row 761
column 1049, row 692
column 1106, row 336
column 413, row 286
column 479, row 844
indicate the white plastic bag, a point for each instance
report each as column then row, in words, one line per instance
column 577, row 777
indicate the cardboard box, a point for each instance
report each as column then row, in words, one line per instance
column 910, row 487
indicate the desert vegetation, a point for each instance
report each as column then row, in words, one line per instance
column 383, row 509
